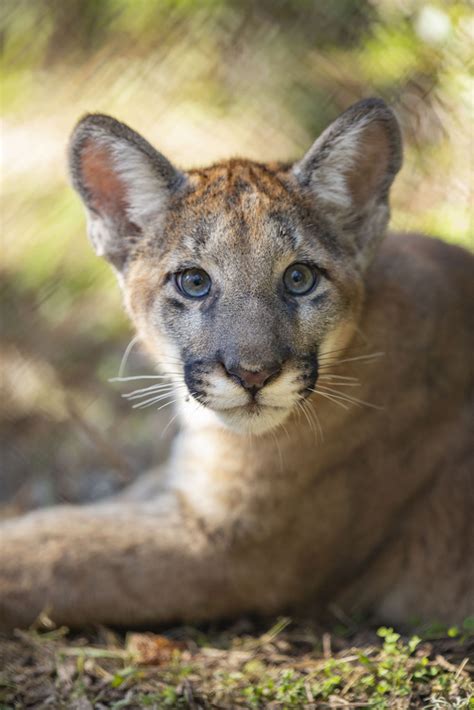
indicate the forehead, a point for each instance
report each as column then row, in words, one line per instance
column 239, row 205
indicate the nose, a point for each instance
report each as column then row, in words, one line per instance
column 252, row 380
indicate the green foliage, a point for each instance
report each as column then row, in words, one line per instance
column 258, row 671
column 394, row 673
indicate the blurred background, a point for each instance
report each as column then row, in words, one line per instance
column 202, row 81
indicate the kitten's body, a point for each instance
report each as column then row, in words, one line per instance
column 366, row 508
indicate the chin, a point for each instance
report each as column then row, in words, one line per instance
column 257, row 421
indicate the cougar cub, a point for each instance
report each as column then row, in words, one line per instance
column 323, row 378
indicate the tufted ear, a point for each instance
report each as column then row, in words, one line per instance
column 123, row 181
column 351, row 166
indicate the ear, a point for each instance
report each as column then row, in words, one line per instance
column 123, row 181
column 351, row 166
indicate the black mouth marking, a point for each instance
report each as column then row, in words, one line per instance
column 196, row 378
column 309, row 375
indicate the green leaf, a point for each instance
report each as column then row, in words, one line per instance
column 413, row 643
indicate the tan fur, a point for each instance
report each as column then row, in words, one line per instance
column 372, row 513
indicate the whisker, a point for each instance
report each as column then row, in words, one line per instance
column 339, row 384
column 349, row 398
column 137, row 394
column 173, row 401
column 320, row 428
column 330, row 375
column 357, row 357
column 280, row 455
column 155, row 393
column 199, row 401
column 150, row 388
column 140, row 377
column 169, row 424
column 337, row 395
column 306, row 416
column 153, row 400
column 312, row 412
column 298, row 411
column 331, row 352
column 194, row 402
column 282, row 426
column 126, row 354
column 330, row 397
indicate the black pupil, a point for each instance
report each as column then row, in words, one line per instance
column 299, row 279
column 195, row 282
column 196, row 279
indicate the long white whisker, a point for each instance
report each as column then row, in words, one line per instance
column 353, row 359
column 155, row 393
column 160, row 385
column 169, row 424
column 141, row 377
column 311, row 412
column 307, row 417
column 338, row 384
column 332, row 376
column 330, row 352
column 349, row 398
column 167, row 404
column 330, row 397
column 195, row 403
column 320, row 428
column 282, row 426
column 126, row 354
column 298, row 410
column 136, row 394
column 335, row 394
column 153, row 400
column 280, row 455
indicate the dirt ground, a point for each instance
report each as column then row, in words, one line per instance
column 287, row 666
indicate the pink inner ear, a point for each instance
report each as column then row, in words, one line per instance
column 107, row 191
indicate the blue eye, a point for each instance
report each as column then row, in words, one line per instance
column 194, row 283
column 300, row 279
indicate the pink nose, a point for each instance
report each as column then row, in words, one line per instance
column 254, row 381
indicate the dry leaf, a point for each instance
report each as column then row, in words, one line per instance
column 152, row 649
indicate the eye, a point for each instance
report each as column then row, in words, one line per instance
column 194, row 283
column 300, row 279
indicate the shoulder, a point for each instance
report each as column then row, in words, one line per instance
column 421, row 290
column 424, row 263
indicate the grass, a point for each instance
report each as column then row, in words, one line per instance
column 288, row 666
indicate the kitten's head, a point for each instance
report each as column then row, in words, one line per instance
column 240, row 276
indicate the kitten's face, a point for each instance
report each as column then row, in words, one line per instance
column 240, row 277
column 241, row 292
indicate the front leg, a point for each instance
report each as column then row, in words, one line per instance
column 120, row 564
